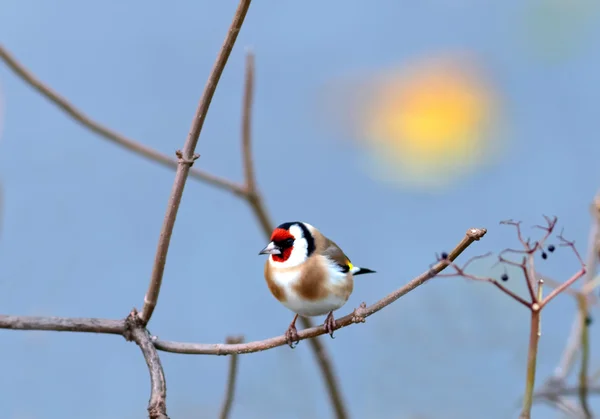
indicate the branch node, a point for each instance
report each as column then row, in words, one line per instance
column 132, row 322
column 358, row 315
column 184, row 160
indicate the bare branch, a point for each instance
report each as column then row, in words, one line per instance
column 135, row 331
column 357, row 316
column 523, row 267
column 250, row 179
column 534, row 338
column 105, row 132
column 517, row 225
column 570, row 281
column 231, row 378
column 62, row 324
column 571, row 244
column 186, row 160
column 460, row 271
column 562, row 287
column 252, row 195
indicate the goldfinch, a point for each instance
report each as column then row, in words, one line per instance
column 308, row 273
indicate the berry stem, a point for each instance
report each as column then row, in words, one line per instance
column 534, row 338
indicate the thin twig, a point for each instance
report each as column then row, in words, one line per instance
column 107, row 133
column 135, row 331
column 562, row 287
column 186, row 159
column 460, row 271
column 231, row 378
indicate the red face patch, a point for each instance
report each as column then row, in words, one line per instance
column 279, row 236
column 285, row 255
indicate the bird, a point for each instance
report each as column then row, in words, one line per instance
column 308, row 273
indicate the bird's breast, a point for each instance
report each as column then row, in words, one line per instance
column 312, row 291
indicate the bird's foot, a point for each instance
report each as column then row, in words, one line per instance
column 330, row 324
column 291, row 334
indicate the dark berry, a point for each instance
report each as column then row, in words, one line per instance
column 588, row 320
column 544, row 255
column 444, row 255
column 551, row 248
column 504, row 277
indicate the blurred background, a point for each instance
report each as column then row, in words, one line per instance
column 393, row 126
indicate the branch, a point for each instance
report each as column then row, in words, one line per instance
column 135, row 331
column 357, row 316
column 62, row 324
column 585, row 355
column 186, row 159
column 534, row 338
column 231, row 378
column 461, row 271
column 105, row 132
column 249, row 176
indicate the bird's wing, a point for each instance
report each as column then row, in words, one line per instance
column 334, row 253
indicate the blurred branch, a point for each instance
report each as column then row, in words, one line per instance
column 576, row 338
column 248, row 99
column 135, row 331
column 105, row 132
column 231, row 378
column 186, row 159
column 568, row 357
column 585, row 355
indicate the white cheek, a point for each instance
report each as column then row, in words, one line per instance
column 297, row 256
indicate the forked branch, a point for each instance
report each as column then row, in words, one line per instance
column 534, row 285
column 134, row 330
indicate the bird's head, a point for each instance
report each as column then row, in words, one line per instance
column 291, row 244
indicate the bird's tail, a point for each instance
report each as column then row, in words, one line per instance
column 356, row 270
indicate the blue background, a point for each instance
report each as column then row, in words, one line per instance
column 82, row 216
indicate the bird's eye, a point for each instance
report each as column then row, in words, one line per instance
column 286, row 243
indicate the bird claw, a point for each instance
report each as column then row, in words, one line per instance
column 330, row 324
column 291, row 336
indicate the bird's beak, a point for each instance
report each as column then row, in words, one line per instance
column 271, row 249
